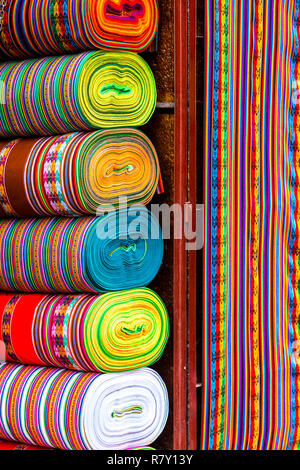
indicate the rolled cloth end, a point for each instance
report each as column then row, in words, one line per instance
column 81, row 410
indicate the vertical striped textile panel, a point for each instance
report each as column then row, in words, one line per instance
column 251, row 316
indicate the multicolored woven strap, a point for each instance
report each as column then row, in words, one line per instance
column 86, row 91
column 120, row 250
column 76, row 410
column 77, row 173
column 251, row 380
column 45, row 27
column 112, row 332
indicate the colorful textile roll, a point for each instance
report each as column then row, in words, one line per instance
column 45, row 27
column 112, row 332
column 77, row 410
column 76, row 173
column 120, row 250
column 9, row 445
column 251, row 311
column 86, row 91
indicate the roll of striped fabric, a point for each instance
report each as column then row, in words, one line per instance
column 120, row 250
column 86, row 91
column 45, row 27
column 76, row 410
column 12, row 445
column 143, row 448
column 77, row 173
column 112, row 332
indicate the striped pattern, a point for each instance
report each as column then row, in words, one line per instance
column 113, row 332
column 86, row 91
column 9, row 445
column 77, row 173
column 87, row 254
column 81, row 411
column 43, row 27
column 251, row 384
